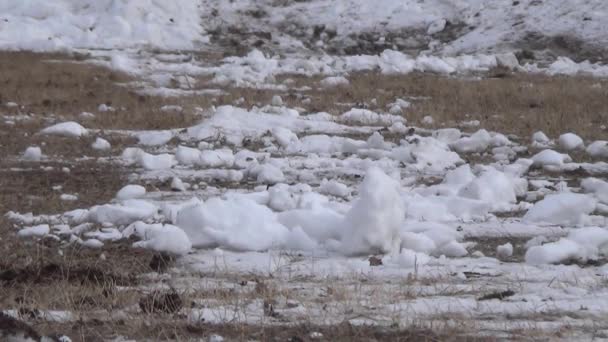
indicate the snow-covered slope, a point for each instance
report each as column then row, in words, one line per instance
column 575, row 28
column 52, row 25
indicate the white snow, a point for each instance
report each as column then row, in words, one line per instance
column 491, row 187
column 177, row 184
column 130, row 191
column 540, row 137
column 334, row 188
column 477, row 142
column 598, row 149
column 68, row 197
column 39, row 230
column 561, row 209
column 160, row 238
column 239, row 223
column 65, row 24
column 571, row 141
column 549, row 158
column 580, row 245
column 267, row 174
column 32, row 153
column 334, row 81
column 101, row 144
column 67, row 129
column 373, row 223
column 127, row 212
column 154, row 138
column 504, row 251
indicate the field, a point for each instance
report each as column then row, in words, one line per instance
column 113, row 290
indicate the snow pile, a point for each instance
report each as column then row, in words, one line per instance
column 580, row 245
column 154, row 138
column 125, row 213
column 367, row 117
column 160, row 238
column 373, row 223
column 504, row 251
column 597, row 187
column 237, row 223
column 67, row 129
column 550, row 158
column 492, row 186
column 477, row 142
column 239, row 123
column 130, row 191
column 60, row 24
column 426, row 154
column 566, row 66
column 134, row 155
column 561, row 209
column 598, row 149
column 101, row 144
column 432, row 238
column 39, row 230
column 32, row 153
column 571, row 141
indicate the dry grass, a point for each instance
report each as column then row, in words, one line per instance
column 517, row 103
column 82, row 281
column 56, row 85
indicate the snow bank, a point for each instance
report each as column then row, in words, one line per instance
column 59, row 24
column 67, row 129
column 561, row 209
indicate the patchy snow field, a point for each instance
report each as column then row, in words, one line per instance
column 160, row 183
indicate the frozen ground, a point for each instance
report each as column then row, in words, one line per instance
column 263, row 176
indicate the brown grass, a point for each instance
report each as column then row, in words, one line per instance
column 518, row 103
column 82, row 281
column 56, row 85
